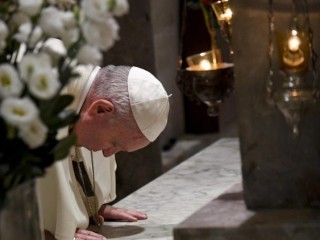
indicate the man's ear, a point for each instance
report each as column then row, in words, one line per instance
column 101, row 106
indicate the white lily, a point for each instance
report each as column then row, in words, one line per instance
column 89, row 55
column 62, row 3
column 23, row 35
column 101, row 34
column 4, row 31
column 70, row 36
column 10, row 84
column 51, row 21
column 55, row 49
column 18, row 111
column 30, row 7
column 30, row 62
column 33, row 134
column 17, row 19
column 121, row 8
column 96, row 10
column 44, row 83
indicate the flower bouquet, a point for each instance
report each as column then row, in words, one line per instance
column 41, row 44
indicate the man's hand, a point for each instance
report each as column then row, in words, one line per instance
column 82, row 234
column 109, row 212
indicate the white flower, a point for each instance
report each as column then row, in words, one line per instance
column 55, row 49
column 31, row 62
column 44, row 83
column 4, row 31
column 70, row 36
column 33, row 134
column 23, row 35
column 69, row 20
column 51, row 21
column 101, row 34
column 121, row 8
column 89, row 55
column 64, row 26
column 96, row 10
column 62, row 3
column 70, row 29
column 18, row 111
column 18, row 19
column 10, row 84
column 30, row 7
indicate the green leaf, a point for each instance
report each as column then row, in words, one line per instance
column 63, row 119
column 61, row 150
column 50, row 109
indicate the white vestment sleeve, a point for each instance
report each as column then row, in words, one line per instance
column 61, row 204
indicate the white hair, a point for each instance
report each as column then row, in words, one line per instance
column 111, row 84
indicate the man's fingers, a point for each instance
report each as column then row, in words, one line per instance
column 130, row 215
column 138, row 215
column 83, row 234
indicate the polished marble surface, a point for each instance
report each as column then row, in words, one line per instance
column 227, row 218
column 175, row 195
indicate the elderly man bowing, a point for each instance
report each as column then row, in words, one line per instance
column 121, row 109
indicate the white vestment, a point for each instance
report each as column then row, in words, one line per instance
column 62, row 205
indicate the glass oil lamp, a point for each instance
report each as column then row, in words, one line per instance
column 205, row 60
column 212, row 79
column 207, row 78
column 223, row 13
column 296, row 89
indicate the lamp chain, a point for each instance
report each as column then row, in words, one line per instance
column 182, row 32
column 294, row 14
column 270, row 53
column 314, row 56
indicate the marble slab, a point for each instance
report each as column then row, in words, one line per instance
column 227, row 218
column 175, row 195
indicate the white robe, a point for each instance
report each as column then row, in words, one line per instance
column 62, row 207
column 61, row 204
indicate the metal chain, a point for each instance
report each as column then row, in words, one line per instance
column 294, row 14
column 270, row 53
column 182, row 32
column 314, row 56
column 93, row 212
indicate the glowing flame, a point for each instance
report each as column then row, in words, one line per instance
column 294, row 43
column 205, row 64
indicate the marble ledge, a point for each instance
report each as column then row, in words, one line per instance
column 227, row 218
column 177, row 194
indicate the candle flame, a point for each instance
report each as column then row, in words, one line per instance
column 227, row 15
column 294, row 43
column 294, row 93
column 205, row 64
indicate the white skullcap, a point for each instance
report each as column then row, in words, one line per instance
column 149, row 102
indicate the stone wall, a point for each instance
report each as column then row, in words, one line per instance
column 149, row 39
column 278, row 170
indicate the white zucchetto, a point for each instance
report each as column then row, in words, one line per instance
column 149, row 102
column 148, row 99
